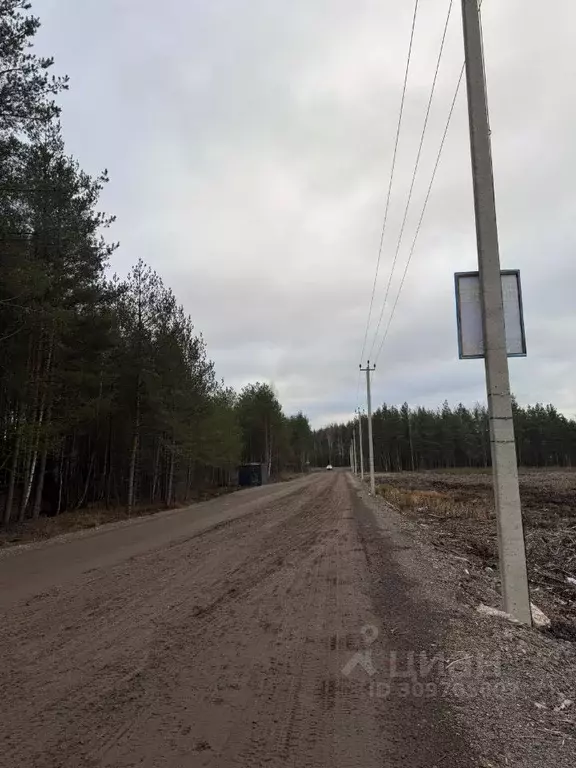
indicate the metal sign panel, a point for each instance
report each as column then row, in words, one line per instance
column 469, row 314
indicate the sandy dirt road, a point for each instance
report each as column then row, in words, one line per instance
column 222, row 635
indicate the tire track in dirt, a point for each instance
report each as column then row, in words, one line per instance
column 114, row 622
column 229, row 619
column 221, row 650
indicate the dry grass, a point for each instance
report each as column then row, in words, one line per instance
column 431, row 502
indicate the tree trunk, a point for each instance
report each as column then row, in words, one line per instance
column 106, row 468
column 109, row 468
column 87, row 483
column 41, row 472
column 155, row 473
column 44, row 386
column 32, row 451
column 60, row 478
column 134, row 451
column 20, row 421
column 188, row 479
column 170, row 487
column 132, row 473
column 31, row 471
column 13, row 471
column 68, row 472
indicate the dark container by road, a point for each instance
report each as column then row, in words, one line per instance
column 252, row 474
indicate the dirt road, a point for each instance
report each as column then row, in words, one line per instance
column 222, row 635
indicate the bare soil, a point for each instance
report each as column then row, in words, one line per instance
column 458, row 509
column 512, row 687
column 303, row 624
column 218, row 636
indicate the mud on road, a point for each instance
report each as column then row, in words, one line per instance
column 219, row 643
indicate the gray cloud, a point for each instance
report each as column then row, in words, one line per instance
column 249, row 147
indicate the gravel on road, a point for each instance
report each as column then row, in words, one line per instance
column 270, row 628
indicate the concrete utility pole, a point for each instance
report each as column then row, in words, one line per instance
column 370, row 436
column 361, row 445
column 411, row 443
column 503, row 448
column 353, row 449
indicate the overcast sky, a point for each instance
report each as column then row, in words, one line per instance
column 249, row 145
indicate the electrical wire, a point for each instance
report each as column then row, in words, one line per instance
column 413, row 246
column 414, row 174
column 459, row 83
column 391, row 179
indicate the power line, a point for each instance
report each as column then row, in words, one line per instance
column 414, row 174
column 413, row 246
column 391, row 179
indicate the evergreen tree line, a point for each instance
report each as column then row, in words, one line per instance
column 417, row 439
column 107, row 394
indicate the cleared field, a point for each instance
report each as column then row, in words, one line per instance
column 458, row 507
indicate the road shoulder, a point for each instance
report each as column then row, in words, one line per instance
column 508, row 685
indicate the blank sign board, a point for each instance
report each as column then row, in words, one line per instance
column 469, row 314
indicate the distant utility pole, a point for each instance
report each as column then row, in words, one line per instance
column 354, row 452
column 503, row 448
column 370, row 436
column 411, row 443
column 361, row 445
